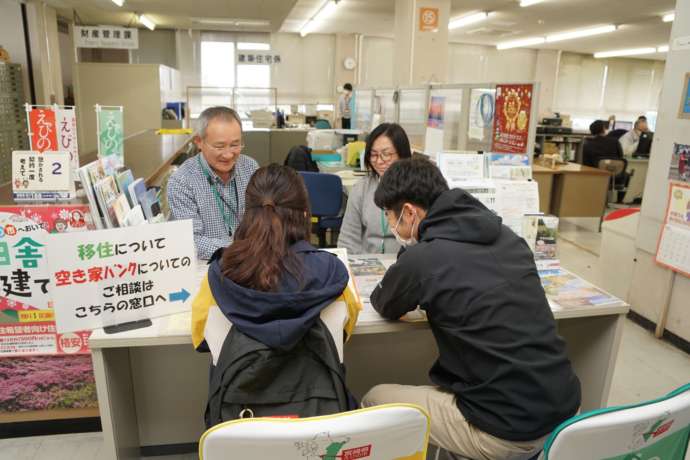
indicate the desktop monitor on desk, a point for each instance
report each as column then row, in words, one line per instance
column 645, row 145
column 626, row 125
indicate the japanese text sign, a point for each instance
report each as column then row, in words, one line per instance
column 34, row 171
column 428, row 19
column 512, row 118
column 110, row 136
column 53, row 129
column 106, row 37
column 258, row 58
column 115, row 276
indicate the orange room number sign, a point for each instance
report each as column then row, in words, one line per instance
column 428, row 19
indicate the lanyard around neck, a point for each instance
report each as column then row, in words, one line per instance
column 227, row 218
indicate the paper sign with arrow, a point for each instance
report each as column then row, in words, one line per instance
column 117, row 276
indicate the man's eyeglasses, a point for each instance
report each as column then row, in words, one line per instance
column 220, row 148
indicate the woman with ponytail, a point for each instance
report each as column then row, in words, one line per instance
column 271, row 283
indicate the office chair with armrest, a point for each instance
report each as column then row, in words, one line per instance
column 326, row 200
column 322, row 124
column 391, row 432
column 657, row 429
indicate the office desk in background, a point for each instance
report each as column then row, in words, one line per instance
column 572, row 190
column 152, row 386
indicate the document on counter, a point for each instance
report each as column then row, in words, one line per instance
column 515, row 199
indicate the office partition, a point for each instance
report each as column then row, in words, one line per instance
column 412, row 112
column 364, row 98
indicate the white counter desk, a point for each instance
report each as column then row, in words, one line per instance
column 152, row 386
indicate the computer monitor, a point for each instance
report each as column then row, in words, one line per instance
column 626, row 125
column 645, row 144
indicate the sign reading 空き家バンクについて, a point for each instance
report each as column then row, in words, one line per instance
column 109, row 277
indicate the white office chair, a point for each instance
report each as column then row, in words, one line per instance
column 388, row 432
column 653, row 430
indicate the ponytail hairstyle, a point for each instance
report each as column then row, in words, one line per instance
column 276, row 216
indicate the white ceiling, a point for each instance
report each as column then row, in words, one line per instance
column 180, row 14
column 639, row 20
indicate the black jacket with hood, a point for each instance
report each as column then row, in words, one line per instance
column 499, row 351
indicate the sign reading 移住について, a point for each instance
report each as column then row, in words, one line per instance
column 116, row 276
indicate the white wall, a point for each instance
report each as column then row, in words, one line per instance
column 480, row 64
column 12, row 37
column 376, row 62
column 597, row 88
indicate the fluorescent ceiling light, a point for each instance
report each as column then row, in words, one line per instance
column 670, row 17
column 119, row 2
column 580, row 33
column 147, row 22
column 462, row 21
column 626, row 52
column 525, row 3
column 232, row 22
column 324, row 12
column 523, row 42
column 662, row 49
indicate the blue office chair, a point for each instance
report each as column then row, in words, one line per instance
column 322, row 124
column 325, row 200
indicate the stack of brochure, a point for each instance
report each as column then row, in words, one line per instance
column 118, row 200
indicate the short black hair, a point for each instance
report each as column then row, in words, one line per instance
column 348, row 86
column 414, row 181
column 398, row 137
column 641, row 118
column 597, row 127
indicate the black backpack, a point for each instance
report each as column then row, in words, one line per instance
column 299, row 159
column 251, row 379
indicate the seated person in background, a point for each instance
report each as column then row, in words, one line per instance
column 364, row 229
column 600, row 146
column 630, row 140
column 502, row 381
column 272, row 286
column 209, row 187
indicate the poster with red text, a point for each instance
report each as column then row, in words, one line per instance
column 27, row 321
column 512, row 118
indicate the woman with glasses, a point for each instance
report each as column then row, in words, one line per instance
column 365, row 229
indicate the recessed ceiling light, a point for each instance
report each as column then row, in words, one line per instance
column 522, row 42
column 625, row 52
column 580, row 33
column 119, row 2
column 670, row 17
column 662, row 49
column 462, row 21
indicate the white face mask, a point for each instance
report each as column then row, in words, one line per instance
column 412, row 240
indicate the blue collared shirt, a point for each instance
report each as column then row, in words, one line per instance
column 191, row 196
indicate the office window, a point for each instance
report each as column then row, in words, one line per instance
column 254, row 76
column 253, row 46
column 217, row 64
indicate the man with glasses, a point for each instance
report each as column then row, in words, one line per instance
column 209, row 188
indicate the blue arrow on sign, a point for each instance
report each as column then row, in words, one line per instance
column 182, row 295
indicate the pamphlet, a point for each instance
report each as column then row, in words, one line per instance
column 569, row 291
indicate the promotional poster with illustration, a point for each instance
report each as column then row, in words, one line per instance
column 512, row 118
column 680, row 163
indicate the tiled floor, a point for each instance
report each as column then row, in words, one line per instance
column 646, row 367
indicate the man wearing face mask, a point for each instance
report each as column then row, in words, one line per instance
column 502, row 381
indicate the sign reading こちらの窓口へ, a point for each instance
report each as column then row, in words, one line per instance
column 115, row 276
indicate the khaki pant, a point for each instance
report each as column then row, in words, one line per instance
column 449, row 429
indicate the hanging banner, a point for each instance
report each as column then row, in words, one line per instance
column 42, row 130
column 111, row 135
column 66, row 128
column 512, row 118
column 27, row 321
column 116, row 276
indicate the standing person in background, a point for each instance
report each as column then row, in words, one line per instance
column 344, row 106
column 209, row 188
column 630, row 140
column 364, row 229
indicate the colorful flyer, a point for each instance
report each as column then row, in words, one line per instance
column 436, row 111
column 27, row 320
column 512, row 118
column 680, row 163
